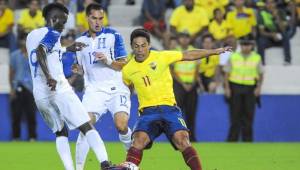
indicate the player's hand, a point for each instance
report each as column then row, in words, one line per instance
column 51, row 83
column 100, row 57
column 227, row 92
column 103, row 58
column 12, row 94
column 257, row 91
column 76, row 46
column 76, row 69
column 212, row 87
column 223, row 50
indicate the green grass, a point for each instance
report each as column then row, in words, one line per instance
column 214, row 156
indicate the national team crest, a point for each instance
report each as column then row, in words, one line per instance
column 153, row 65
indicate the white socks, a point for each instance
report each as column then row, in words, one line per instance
column 91, row 139
column 82, row 149
column 63, row 149
column 126, row 139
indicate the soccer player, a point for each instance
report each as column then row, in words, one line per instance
column 149, row 74
column 58, row 104
column 105, row 91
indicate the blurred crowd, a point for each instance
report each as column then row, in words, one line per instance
column 192, row 24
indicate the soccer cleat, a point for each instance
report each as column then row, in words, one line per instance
column 105, row 165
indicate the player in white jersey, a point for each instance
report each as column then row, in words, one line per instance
column 58, row 104
column 105, row 91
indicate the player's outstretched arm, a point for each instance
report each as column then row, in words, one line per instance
column 42, row 60
column 201, row 53
column 76, row 46
column 116, row 65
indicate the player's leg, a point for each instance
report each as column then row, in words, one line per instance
column 177, row 132
column 146, row 129
column 119, row 105
column 49, row 112
column 82, row 147
column 135, row 152
column 182, row 143
column 96, row 143
column 63, row 148
column 94, row 103
column 75, row 116
column 121, row 122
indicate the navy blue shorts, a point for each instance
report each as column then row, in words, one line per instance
column 160, row 119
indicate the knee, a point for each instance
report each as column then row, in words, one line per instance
column 140, row 141
column 181, row 140
column 85, row 127
column 121, row 122
column 62, row 132
column 122, row 127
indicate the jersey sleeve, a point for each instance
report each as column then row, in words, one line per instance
column 125, row 77
column 170, row 57
column 50, row 39
column 120, row 51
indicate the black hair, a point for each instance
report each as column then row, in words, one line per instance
column 216, row 10
column 48, row 8
column 93, row 6
column 207, row 36
column 140, row 32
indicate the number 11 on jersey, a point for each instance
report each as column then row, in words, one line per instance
column 146, row 80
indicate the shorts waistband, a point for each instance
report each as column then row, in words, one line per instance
column 154, row 107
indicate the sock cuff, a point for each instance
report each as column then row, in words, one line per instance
column 134, row 155
column 129, row 132
column 62, row 138
column 189, row 153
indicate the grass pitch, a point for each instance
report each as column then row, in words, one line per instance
column 214, row 156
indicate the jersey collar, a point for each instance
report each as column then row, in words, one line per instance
column 97, row 33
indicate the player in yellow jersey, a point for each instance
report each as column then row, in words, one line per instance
column 149, row 73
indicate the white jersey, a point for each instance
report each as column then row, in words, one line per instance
column 98, row 76
column 50, row 39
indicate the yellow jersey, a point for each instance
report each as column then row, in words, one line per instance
column 6, row 20
column 241, row 23
column 152, row 79
column 219, row 31
column 29, row 23
column 191, row 21
column 82, row 21
column 209, row 65
column 211, row 5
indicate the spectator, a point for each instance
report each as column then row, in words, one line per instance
column 81, row 20
column 7, row 23
column 298, row 11
column 290, row 8
column 211, row 5
column 153, row 17
column 189, row 17
column 185, row 84
column 30, row 18
column 172, row 44
column 272, row 26
column 70, row 25
column 208, row 77
column 243, row 80
column 219, row 27
column 242, row 20
column 22, row 102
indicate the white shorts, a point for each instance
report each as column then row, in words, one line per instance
column 100, row 103
column 63, row 108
